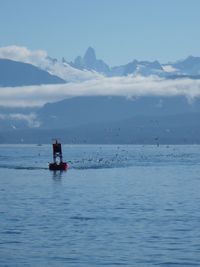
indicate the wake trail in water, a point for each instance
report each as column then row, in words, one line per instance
column 15, row 167
column 77, row 165
column 116, row 161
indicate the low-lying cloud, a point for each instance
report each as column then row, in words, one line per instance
column 129, row 86
column 30, row 119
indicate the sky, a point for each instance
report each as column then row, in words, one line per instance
column 118, row 30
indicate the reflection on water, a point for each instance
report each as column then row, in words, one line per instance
column 57, row 175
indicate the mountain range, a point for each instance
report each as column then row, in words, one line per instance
column 189, row 66
column 99, row 119
column 15, row 72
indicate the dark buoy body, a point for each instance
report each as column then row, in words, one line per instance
column 57, row 164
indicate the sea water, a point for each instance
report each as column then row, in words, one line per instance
column 115, row 206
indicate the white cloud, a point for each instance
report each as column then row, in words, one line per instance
column 20, row 53
column 30, row 119
column 130, row 86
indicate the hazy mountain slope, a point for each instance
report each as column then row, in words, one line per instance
column 13, row 73
column 171, row 129
column 105, row 119
column 84, row 110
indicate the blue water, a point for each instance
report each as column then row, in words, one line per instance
column 134, row 206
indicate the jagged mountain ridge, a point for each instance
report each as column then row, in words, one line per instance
column 186, row 67
column 90, row 62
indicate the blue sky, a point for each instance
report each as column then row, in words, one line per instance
column 119, row 30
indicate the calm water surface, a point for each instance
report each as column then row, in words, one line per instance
column 131, row 206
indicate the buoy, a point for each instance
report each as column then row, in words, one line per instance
column 57, row 164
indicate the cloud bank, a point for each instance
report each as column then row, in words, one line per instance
column 130, row 86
